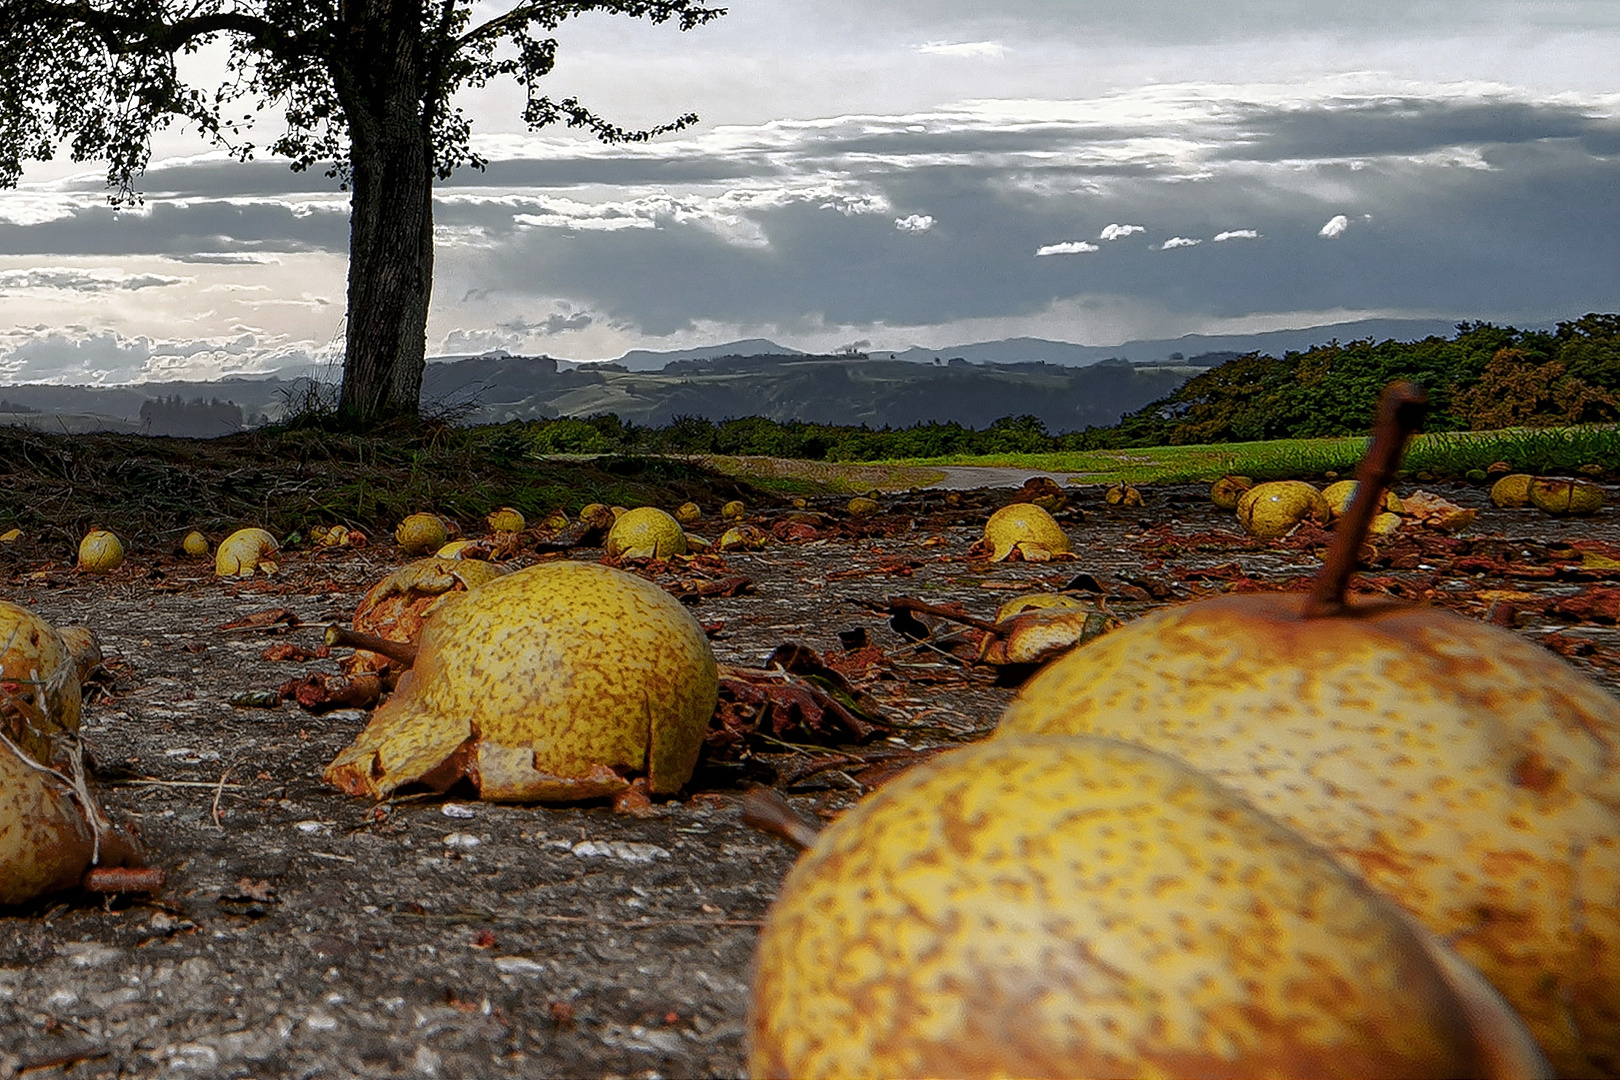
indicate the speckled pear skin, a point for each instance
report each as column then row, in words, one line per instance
column 45, row 843
column 1226, row 491
column 645, row 533
column 1465, row 772
column 100, row 552
column 553, row 683
column 245, row 551
column 1338, row 494
column 39, row 663
column 421, row 533
column 1068, row 906
column 1268, row 511
column 1026, row 526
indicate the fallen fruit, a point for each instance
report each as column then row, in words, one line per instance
column 195, row 545
column 420, row 534
column 396, row 607
column 597, row 516
column 1226, row 491
column 645, row 533
column 462, row 549
column 1437, row 512
column 1338, row 495
column 1512, row 491
column 733, row 510
column 863, row 506
column 687, row 513
column 557, row 682
column 1272, row 510
column 507, row 520
column 1561, row 497
column 1461, row 769
column 1044, row 492
column 1026, row 529
column 39, row 681
column 100, row 552
column 85, row 649
column 556, row 521
column 742, row 537
column 1043, row 906
column 1039, row 601
column 1122, row 495
column 244, row 552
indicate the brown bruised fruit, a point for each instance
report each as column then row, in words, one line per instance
column 396, row 608
column 1559, row 496
column 1466, row 772
column 1512, row 491
column 558, row 682
column 1062, row 906
column 39, row 681
column 1226, row 491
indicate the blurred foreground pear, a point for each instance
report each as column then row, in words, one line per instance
column 1466, row 772
column 1081, row 907
column 40, row 677
column 559, row 682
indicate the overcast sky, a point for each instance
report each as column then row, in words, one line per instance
column 898, row 172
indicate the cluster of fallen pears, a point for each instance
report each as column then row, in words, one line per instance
column 1256, row 835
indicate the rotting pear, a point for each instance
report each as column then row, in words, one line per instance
column 1464, row 771
column 559, row 682
column 1561, row 496
column 1226, row 491
column 1023, row 528
column 863, row 506
column 245, row 552
column 1081, row 906
column 39, row 671
column 506, row 520
column 397, row 607
column 733, row 510
column 688, row 512
column 1122, row 495
column 195, row 545
column 1512, row 491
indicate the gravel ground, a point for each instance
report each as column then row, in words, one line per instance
column 303, row 933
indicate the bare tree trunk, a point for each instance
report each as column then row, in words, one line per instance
column 391, row 216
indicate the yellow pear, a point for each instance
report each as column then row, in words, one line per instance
column 100, row 552
column 645, row 533
column 246, row 551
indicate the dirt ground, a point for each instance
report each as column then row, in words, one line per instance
column 306, row 934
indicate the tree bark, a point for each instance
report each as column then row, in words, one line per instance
column 391, row 211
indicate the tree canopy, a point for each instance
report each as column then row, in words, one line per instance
column 366, row 87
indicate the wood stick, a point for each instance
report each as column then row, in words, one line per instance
column 906, row 603
column 122, row 879
column 1401, row 410
column 402, row 652
column 764, row 809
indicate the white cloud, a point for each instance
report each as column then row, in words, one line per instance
column 993, row 50
column 1179, row 242
column 914, row 223
column 1115, row 232
column 1335, row 227
column 1068, row 247
column 1237, row 234
column 100, row 279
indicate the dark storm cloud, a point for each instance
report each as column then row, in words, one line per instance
column 182, row 230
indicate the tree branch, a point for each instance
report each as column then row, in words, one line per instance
column 123, row 35
column 552, row 13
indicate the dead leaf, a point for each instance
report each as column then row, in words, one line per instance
column 270, row 618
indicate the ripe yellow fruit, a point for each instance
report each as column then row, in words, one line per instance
column 1338, row 495
column 1039, row 602
column 597, row 516
column 863, row 506
column 461, row 549
column 1512, row 491
column 36, row 660
column 246, row 551
column 1561, row 497
column 687, row 513
column 1226, row 491
column 1026, row 528
column 195, row 545
column 645, row 533
column 420, row 534
column 556, row 682
column 1462, row 770
column 1271, row 510
column 507, row 520
column 733, row 510
column 1055, row 907
column 100, row 552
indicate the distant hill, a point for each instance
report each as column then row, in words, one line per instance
column 647, row 360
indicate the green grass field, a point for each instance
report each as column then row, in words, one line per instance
column 1449, row 454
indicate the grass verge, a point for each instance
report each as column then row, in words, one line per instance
column 1534, row 450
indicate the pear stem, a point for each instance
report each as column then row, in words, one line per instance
column 1401, row 410
column 401, row 652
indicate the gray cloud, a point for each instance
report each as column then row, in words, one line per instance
column 83, row 281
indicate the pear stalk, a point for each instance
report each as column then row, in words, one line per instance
column 1401, row 410
column 401, row 652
